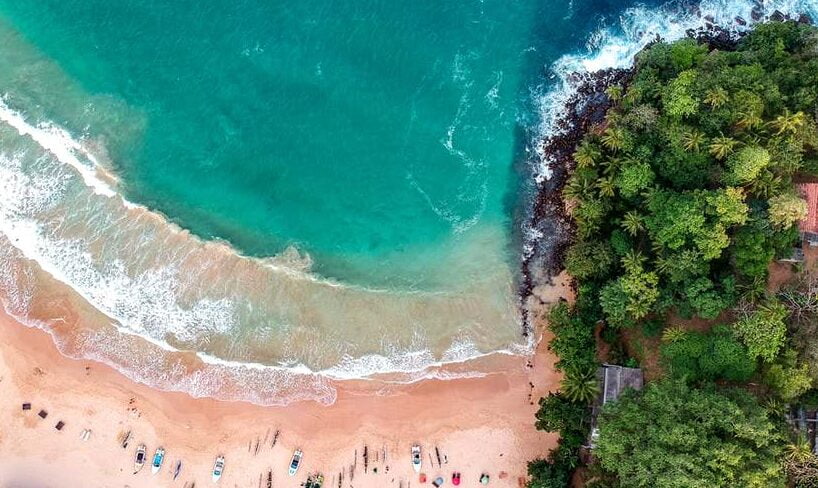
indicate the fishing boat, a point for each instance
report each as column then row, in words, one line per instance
column 158, row 459
column 218, row 469
column 295, row 462
column 177, row 469
column 416, row 458
column 139, row 460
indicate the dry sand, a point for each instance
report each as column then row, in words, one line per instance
column 477, row 425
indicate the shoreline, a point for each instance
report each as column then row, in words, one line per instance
column 548, row 227
column 479, row 424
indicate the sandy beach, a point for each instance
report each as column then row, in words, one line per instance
column 476, row 424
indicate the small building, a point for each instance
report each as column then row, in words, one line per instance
column 809, row 226
column 613, row 381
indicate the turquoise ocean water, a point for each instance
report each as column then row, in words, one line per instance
column 374, row 135
column 289, row 188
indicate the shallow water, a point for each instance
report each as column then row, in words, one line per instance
column 305, row 187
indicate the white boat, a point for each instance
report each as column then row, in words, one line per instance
column 295, row 462
column 218, row 469
column 416, row 458
column 139, row 460
column 158, row 458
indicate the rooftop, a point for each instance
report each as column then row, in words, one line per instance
column 613, row 380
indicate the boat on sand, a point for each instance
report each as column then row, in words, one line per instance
column 295, row 462
column 218, row 469
column 139, row 460
column 158, row 458
column 416, row 458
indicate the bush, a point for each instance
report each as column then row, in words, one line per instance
column 717, row 355
column 786, row 210
column 763, row 330
column 589, row 260
column 787, row 377
column 573, row 340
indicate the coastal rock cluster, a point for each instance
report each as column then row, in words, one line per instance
column 550, row 228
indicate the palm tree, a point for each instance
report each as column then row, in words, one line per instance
column 765, row 184
column 632, row 223
column 610, row 165
column 580, row 386
column 749, row 120
column 722, row 146
column 633, row 260
column 577, row 188
column 788, row 122
column 798, row 451
column 663, row 265
column 673, row 334
column 716, row 97
column 632, row 96
column 754, row 290
column 606, row 187
column 775, row 407
column 614, row 138
column 692, row 140
column 587, row 155
column 614, row 92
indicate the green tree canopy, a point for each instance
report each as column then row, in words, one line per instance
column 716, row 355
column 786, row 210
column 674, row 436
column 764, row 329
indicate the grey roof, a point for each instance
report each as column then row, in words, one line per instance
column 613, row 380
column 616, row 379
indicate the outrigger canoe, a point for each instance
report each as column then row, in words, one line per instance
column 295, row 462
column 416, row 458
column 139, row 460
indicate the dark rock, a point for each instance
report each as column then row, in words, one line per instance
column 741, row 21
column 805, row 19
column 778, row 16
column 756, row 14
column 547, row 218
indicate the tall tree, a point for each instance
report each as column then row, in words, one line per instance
column 674, row 436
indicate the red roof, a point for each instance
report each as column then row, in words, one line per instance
column 810, row 193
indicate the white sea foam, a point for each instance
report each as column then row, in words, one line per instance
column 143, row 303
column 62, row 145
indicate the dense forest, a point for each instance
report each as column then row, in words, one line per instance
column 681, row 198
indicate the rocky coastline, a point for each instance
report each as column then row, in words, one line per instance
column 548, row 227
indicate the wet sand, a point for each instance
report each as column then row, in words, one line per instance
column 477, row 425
